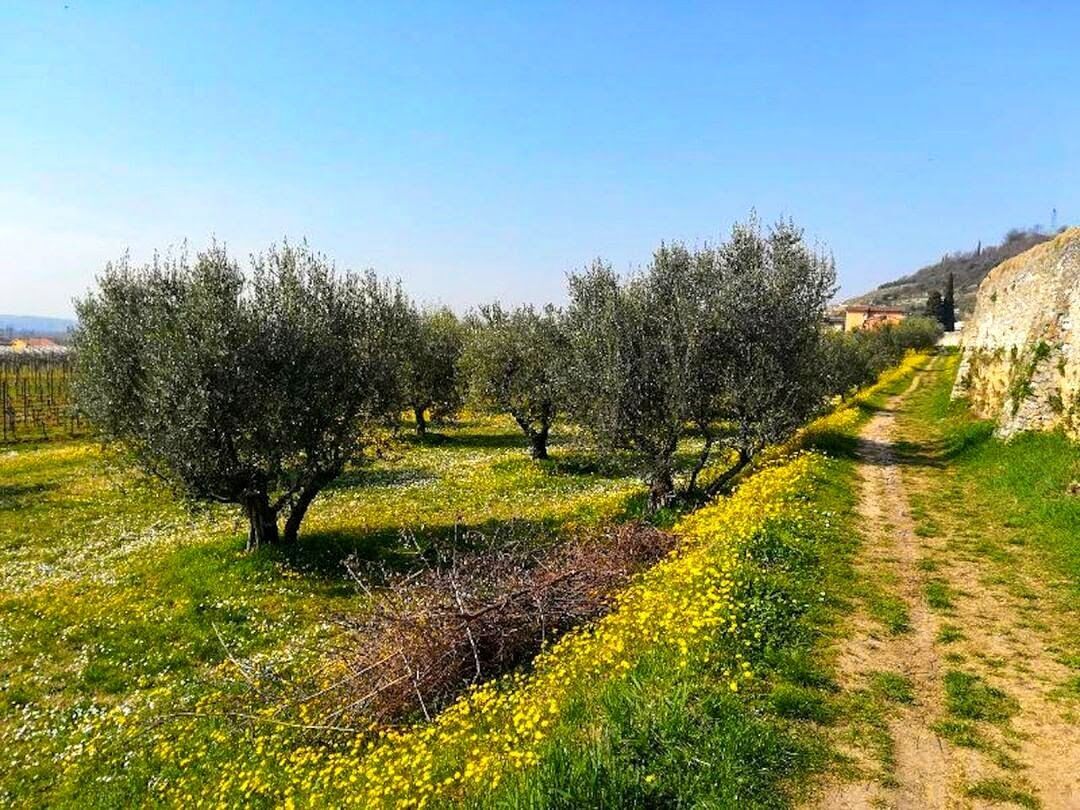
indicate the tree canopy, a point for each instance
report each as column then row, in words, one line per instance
column 431, row 378
column 726, row 339
column 515, row 362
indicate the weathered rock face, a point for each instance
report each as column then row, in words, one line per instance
column 1021, row 355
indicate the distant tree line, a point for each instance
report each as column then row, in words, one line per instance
column 258, row 387
column 852, row 359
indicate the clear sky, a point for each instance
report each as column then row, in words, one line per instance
column 481, row 151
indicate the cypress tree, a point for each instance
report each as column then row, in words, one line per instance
column 948, row 308
column 934, row 305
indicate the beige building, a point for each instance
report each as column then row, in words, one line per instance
column 870, row 317
column 21, row 344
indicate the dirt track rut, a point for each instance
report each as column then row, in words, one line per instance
column 1037, row 752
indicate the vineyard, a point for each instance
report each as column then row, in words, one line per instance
column 35, row 395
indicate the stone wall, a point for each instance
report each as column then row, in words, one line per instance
column 1021, row 347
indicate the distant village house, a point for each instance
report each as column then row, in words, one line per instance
column 21, row 344
column 870, row 317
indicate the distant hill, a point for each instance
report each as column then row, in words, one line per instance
column 34, row 325
column 969, row 268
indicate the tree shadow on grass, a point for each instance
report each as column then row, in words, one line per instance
column 323, row 553
column 933, row 453
column 371, row 477
column 470, row 441
column 15, row 496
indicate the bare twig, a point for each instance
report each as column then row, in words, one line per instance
column 243, row 671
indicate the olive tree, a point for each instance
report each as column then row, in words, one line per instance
column 431, row 383
column 253, row 390
column 514, row 361
column 766, row 353
column 637, row 374
column 725, row 339
column 846, row 362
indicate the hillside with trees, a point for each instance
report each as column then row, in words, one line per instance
column 968, row 268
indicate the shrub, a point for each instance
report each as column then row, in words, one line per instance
column 851, row 359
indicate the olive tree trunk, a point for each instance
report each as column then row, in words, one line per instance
column 539, row 440
column 303, row 501
column 538, row 437
column 661, row 489
column 262, row 521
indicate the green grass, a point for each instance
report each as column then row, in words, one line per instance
column 969, row 697
column 939, row 594
column 962, row 733
column 1012, row 494
column 949, row 634
column 888, row 609
column 892, row 686
column 997, row 790
column 672, row 735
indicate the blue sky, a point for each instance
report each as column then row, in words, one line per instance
column 483, row 151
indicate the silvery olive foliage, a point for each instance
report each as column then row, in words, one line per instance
column 774, row 289
column 431, row 377
column 254, row 389
column 724, row 339
column 515, row 362
column 639, row 366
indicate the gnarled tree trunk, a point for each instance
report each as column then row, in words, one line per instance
column 661, row 489
column 703, row 459
column 303, row 501
column 421, row 422
column 262, row 521
column 539, row 440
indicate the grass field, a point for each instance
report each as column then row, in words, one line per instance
column 114, row 595
column 1015, row 492
column 124, row 619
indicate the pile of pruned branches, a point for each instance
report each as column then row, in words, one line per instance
column 464, row 617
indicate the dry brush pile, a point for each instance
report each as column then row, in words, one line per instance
column 463, row 618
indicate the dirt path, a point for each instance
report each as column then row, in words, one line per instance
column 915, row 752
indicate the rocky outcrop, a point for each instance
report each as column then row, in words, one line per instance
column 1021, row 347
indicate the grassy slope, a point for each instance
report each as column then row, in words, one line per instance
column 1013, row 496
column 671, row 733
column 968, row 268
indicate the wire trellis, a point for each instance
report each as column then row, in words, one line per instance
column 35, row 395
